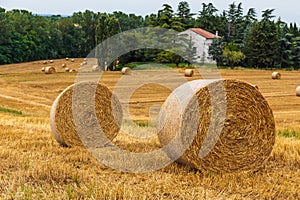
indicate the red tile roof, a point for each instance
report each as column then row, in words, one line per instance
column 204, row 33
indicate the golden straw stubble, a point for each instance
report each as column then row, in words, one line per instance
column 107, row 109
column 247, row 133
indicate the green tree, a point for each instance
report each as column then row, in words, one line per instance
column 232, row 55
column 184, row 14
column 262, row 42
column 216, row 50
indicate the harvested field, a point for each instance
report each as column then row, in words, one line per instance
column 34, row 166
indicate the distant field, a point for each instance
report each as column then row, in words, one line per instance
column 34, row 166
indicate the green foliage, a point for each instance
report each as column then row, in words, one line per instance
column 232, row 55
column 262, row 45
column 265, row 43
column 289, row 133
column 10, row 111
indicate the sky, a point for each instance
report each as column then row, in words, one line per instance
column 288, row 10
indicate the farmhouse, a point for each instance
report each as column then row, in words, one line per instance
column 202, row 39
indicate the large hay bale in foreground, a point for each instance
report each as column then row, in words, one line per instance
column 189, row 72
column 50, row 70
column 276, row 75
column 298, row 91
column 107, row 109
column 126, row 70
column 216, row 125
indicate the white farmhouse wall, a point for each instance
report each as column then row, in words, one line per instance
column 201, row 44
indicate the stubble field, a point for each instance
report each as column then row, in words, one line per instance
column 34, row 166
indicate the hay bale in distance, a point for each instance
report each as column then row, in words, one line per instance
column 45, row 62
column 67, row 69
column 245, row 138
column 51, row 61
column 276, row 75
column 126, row 70
column 43, row 69
column 67, row 58
column 96, row 68
column 72, row 60
column 108, row 113
column 72, row 70
column 63, row 65
column 189, row 72
column 298, row 91
column 50, row 70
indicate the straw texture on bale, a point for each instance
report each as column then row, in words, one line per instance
column 107, row 109
column 126, row 70
column 189, row 72
column 276, row 75
column 50, row 70
column 246, row 131
column 298, row 91
column 255, row 86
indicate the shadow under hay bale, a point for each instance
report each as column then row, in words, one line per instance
column 189, row 72
column 210, row 129
column 50, row 70
column 298, row 91
column 276, row 75
column 126, row 71
column 107, row 109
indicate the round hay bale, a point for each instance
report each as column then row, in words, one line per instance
column 236, row 137
column 85, row 60
column 276, row 75
column 67, row 69
column 96, row 68
column 51, row 61
column 50, row 70
column 108, row 113
column 45, row 62
column 63, row 65
column 189, row 72
column 298, row 91
column 43, row 69
column 72, row 60
column 72, row 70
column 255, row 86
column 126, row 70
column 67, row 58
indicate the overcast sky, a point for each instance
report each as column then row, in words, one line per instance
column 288, row 10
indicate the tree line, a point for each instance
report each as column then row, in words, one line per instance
column 246, row 39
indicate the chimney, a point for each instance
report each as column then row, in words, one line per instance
column 217, row 33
